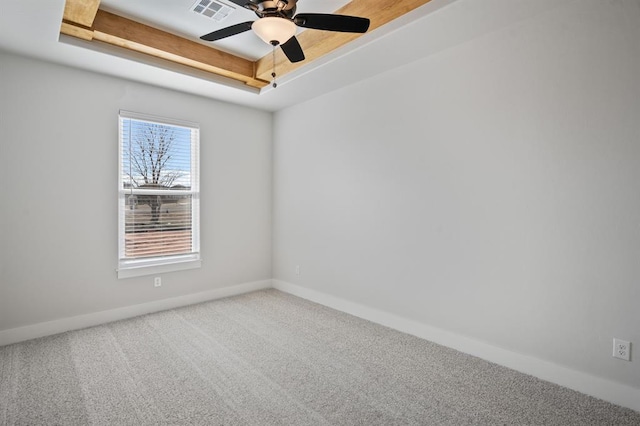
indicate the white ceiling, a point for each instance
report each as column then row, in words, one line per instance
column 31, row 28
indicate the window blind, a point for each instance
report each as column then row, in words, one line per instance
column 158, row 191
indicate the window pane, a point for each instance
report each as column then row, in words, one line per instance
column 158, row 225
column 155, row 156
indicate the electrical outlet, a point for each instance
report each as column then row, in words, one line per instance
column 297, row 269
column 157, row 282
column 621, row 349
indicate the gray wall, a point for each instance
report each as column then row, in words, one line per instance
column 491, row 189
column 59, row 217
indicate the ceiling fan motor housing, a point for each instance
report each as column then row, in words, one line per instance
column 281, row 8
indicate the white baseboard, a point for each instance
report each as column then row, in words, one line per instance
column 48, row 328
column 598, row 387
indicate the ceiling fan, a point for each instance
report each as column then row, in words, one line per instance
column 277, row 25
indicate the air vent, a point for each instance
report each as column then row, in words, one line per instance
column 212, row 9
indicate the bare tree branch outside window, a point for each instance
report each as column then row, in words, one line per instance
column 151, row 150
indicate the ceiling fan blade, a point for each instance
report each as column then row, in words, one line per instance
column 292, row 50
column 227, row 32
column 329, row 22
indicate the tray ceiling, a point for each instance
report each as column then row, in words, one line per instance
column 168, row 30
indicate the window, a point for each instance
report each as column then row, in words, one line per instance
column 158, row 195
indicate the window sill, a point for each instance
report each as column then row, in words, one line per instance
column 134, row 270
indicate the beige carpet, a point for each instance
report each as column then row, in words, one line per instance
column 268, row 358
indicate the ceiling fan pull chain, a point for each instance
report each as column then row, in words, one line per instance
column 273, row 73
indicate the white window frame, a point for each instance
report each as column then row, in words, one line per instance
column 134, row 267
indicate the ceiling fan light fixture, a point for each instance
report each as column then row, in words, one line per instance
column 274, row 30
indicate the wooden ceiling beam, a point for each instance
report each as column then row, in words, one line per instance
column 81, row 12
column 75, row 30
column 316, row 43
column 125, row 33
